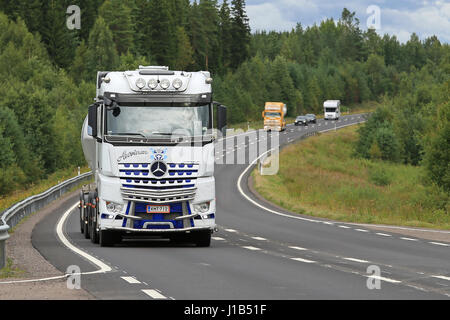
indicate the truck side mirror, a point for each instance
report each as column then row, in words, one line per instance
column 222, row 119
column 92, row 119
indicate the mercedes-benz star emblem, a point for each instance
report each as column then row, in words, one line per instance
column 158, row 168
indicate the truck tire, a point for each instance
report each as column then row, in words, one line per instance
column 81, row 213
column 87, row 212
column 202, row 239
column 92, row 217
column 107, row 238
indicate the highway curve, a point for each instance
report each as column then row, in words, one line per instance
column 258, row 253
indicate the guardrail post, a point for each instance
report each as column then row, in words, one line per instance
column 3, row 236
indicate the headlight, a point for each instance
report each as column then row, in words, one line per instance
column 140, row 83
column 152, row 83
column 114, row 207
column 201, row 207
column 177, row 83
column 165, row 83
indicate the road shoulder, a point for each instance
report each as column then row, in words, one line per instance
column 33, row 265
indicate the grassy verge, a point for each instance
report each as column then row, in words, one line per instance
column 41, row 186
column 319, row 177
column 10, row 271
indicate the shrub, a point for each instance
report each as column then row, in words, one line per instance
column 379, row 176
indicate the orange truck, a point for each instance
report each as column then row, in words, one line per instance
column 274, row 114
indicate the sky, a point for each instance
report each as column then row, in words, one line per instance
column 396, row 17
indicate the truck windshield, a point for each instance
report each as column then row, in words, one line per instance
column 330, row 109
column 159, row 120
column 272, row 114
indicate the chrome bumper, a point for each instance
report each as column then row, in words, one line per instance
column 131, row 230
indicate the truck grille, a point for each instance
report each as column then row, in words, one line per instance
column 139, row 184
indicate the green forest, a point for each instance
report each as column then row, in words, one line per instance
column 48, row 75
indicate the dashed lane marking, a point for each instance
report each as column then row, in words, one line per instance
column 251, row 248
column 153, row 294
column 440, row 244
column 408, row 239
column 383, row 234
column 131, row 280
column 356, row 260
column 384, row 279
column 297, row 248
column 303, row 260
column 259, row 238
column 442, row 277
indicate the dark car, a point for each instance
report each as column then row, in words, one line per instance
column 311, row 117
column 301, row 120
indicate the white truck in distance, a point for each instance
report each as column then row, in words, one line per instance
column 332, row 109
column 149, row 141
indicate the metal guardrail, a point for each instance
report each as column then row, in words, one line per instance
column 12, row 216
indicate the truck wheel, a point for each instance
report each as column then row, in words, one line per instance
column 203, row 239
column 81, row 213
column 93, row 231
column 87, row 213
column 92, row 218
column 107, row 238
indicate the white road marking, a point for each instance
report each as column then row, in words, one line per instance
column 59, row 231
column 345, row 227
column 297, row 248
column 383, row 279
column 303, row 260
column 230, row 230
column 218, row 238
column 408, row 239
column 356, row 260
column 397, row 227
column 330, row 223
column 440, row 244
column 442, row 277
column 251, row 248
column 383, row 234
column 131, row 280
column 259, row 238
column 361, row 230
column 154, row 294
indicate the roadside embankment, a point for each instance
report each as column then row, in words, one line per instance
column 321, row 177
column 25, row 263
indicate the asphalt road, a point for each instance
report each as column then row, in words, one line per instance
column 258, row 253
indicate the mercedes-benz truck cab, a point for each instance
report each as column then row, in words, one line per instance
column 331, row 109
column 149, row 141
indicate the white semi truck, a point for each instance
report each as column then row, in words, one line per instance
column 149, row 140
column 332, row 109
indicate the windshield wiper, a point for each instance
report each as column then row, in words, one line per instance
column 129, row 134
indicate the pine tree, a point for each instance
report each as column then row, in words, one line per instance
column 117, row 16
column 184, row 52
column 225, row 35
column 101, row 53
column 161, row 34
column 240, row 31
column 78, row 69
column 59, row 40
column 210, row 24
